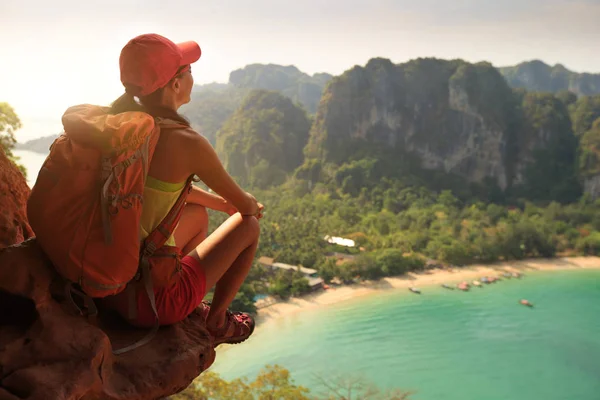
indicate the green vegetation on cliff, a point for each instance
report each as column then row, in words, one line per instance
column 540, row 77
column 549, row 163
column 444, row 125
column 213, row 104
column 288, row 80
column 584, row 112
column 262, row 142
column 589, row 160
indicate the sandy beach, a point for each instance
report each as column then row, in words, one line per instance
column 421, row 280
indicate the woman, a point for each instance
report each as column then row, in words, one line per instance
column 157, row 72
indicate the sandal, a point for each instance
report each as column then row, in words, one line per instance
column 238, row 327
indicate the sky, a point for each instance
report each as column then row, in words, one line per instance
column 64, row 52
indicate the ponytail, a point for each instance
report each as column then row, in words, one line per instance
column 125, row 103
column 149, row 104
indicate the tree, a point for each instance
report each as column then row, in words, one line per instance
column 272, row 383
column 589, row 149
column 589, row 245
column 356, row 388
column 9, row 123
column 275, row 383
column 244, row 299
column 391, row 262
column 299, row 284
column 328, row 269
column 280, row 284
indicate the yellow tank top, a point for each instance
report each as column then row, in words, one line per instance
column 159, row 197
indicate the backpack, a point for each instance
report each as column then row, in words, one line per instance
column 86, row 205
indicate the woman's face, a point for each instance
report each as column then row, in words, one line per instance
column 187, row 83
column 181, row 89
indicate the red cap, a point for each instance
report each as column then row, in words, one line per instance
column 148, row 62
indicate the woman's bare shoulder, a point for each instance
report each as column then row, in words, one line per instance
column 184, row 134
column 187, row 142
column 191, row 137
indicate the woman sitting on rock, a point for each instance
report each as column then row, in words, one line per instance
column 157, row 72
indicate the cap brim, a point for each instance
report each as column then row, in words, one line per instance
column 190, row 51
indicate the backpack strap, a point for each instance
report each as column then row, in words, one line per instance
column 159, row 236
column 147, row 279
column 91, row 310
column 155, row 240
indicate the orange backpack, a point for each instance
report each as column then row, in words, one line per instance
column 86, row 204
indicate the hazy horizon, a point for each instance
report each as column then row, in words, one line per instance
column 67, row 52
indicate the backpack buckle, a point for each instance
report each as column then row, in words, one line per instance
column 149, row 249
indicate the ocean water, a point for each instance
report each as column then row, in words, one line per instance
column 32, row 162
column 445, row 345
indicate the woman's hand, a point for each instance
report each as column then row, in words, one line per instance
column 254, row 208
column 211, row 171
column 260, row 211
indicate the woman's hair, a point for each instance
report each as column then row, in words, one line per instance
column 150, row 104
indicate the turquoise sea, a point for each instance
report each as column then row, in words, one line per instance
column 445, row 345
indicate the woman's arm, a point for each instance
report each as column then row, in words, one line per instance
column 210, row 170
column 210, row 200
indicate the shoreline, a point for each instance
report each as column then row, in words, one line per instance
column 451, row 276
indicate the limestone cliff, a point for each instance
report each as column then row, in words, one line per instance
column 589, row 159
column 288, row 80
column 14, row 192
column 212, row 104
column 546, row 149
column 262, row 141
column 453, row 116
column 540, row 77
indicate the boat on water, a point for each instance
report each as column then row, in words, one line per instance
column 526, row 303
column 507, row 275
column 464, row 286
column 414, row 290
column 477, row 283
column 485, row 280
column 445, row 286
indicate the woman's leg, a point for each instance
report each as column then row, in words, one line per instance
column 226, row 255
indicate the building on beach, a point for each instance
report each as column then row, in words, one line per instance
column 339, row 241
column 314, row 280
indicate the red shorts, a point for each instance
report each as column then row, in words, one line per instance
column 173, row 304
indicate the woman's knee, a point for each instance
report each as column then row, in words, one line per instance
column 250, row 223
